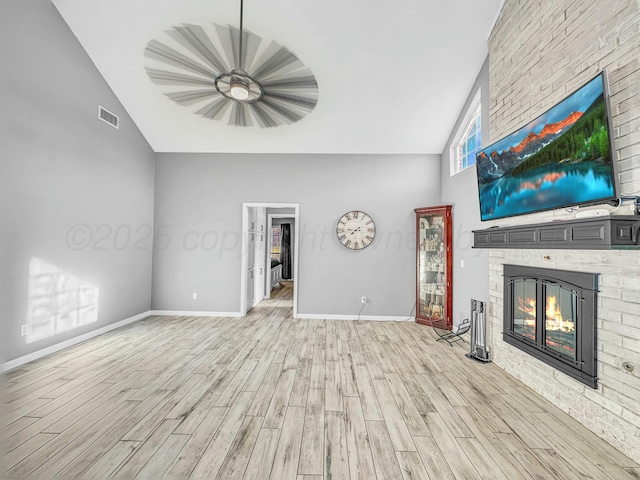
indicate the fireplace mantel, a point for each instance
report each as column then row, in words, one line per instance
column 598, row 233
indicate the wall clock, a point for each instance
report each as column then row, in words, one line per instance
column 355, row 230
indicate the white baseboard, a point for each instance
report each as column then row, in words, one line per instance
column 191, row 313
column 11, row 364
column 375, row 318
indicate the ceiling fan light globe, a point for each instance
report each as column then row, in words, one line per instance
column 239, row 91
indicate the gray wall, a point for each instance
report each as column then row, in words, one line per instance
column 75, row 187
column 202, row 223
column 461, row 191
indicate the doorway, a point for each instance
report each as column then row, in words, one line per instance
column 255, row 275
column 281, row 230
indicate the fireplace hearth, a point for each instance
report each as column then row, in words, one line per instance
column 551, row 315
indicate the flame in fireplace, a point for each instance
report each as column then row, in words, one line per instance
column 528, row 306
column 554, row 317
column 554, row 320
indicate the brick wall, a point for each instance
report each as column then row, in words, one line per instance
column 539, row 52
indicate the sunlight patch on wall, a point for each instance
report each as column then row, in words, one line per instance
column 58, row 301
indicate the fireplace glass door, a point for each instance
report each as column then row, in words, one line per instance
column 557, row 329
column 560, row 312
column 524, row 316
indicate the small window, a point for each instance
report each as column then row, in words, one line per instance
column 276, row 234
column 468, row 141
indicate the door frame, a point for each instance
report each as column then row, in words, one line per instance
column 245, row 240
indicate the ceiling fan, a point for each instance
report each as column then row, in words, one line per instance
column 243, row 80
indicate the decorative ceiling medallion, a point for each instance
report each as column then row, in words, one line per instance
column 243, row 81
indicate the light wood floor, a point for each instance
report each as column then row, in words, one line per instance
column 267, row 396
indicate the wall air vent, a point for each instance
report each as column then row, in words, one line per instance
column 108, row 117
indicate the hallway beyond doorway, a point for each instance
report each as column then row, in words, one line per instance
column 281, row 296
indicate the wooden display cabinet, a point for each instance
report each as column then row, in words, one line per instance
column 434, row 266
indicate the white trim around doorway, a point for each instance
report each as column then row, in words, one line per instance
column 245, row 232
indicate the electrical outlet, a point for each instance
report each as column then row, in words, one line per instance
column 363, row 300
column 24, row 330
column 194, row 296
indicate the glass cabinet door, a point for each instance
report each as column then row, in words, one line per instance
column 433, row 249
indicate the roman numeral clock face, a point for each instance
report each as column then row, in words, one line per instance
column 355, row 230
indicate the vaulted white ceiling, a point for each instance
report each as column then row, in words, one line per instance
column 392, row 75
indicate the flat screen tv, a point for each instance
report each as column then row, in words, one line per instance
column 563, row 158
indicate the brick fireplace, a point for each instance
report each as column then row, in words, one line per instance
column 540, row 51
column 611, row 410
